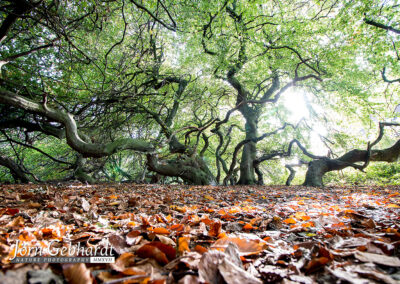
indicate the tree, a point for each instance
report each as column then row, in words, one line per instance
column 188, row 88
column 382, row 43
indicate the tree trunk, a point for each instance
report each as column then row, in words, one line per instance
column 247, row 170
column 80, row 173
column 318, row 168
column 193, row 170
column 15, row 169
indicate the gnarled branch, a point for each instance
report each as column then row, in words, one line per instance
column 73, row 138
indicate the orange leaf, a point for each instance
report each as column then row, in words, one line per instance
column 221, row 212
column 302, row 216
column 47, row 232
column 248, row 226
column 161, row 219
column 267, row 239
column 161, row 231
column 338, row 225
column 254, row 220
column 133, row 271
column 26, row 236
column 206, row 220
column 177, row 227
column 183, row 244
column 308, row 224
column 391, row 230
column 246, row 246
column 215, row 229
column 222, row 235
column 200, row 249
column 290, row 221
column 228, row 217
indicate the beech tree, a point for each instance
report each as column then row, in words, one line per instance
column 193, row 91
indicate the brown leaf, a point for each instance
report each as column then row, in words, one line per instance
column 77, row 274
column 346, row 276
column 215, row 229
column 126, row 259
column 316, row 264
column 378, row 258
column 169, row 251
column 369, row 270
column 133, row 238
column 245, row 246
column 149, row 251
column 118, row 243
column 34, row 205
column 12, row 211
column 16, row 223
column 215, row 268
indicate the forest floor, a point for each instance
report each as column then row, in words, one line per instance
column 200, row 234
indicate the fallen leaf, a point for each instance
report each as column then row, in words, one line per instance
column 200, row 249
column 290, row 221
column 245, row 246
column 125, row 260
column 215, row 268
column 378, row 258
column 161, row 230
column 183, row 244
column 118, row 243
column 85, row 205
column 215, row 229
column 149, row 251
column 77, row 273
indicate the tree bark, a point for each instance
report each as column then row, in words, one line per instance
column 20, row 7
column 193, row 170
column 15, row 169
column 319, row 167
column 247, row 171
column 73, row 138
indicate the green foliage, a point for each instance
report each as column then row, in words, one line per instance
column 119, row 70
column 376, row 174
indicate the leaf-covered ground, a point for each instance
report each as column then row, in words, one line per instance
column 183, row 234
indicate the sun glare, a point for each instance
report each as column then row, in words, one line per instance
column 293, row 100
